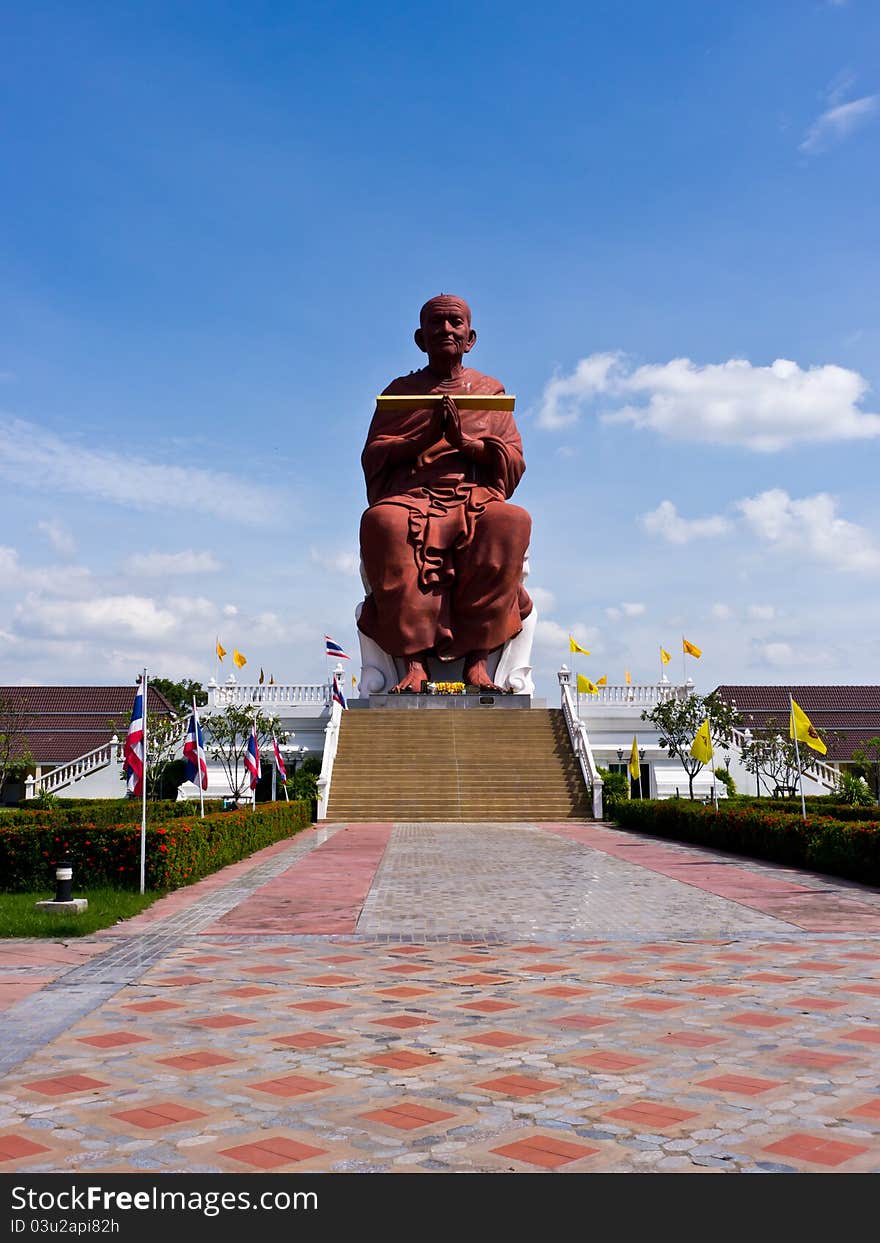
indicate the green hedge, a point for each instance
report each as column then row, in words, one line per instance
column 104, row 812
column 821, row 843
column 178, row 852
column 817, row 806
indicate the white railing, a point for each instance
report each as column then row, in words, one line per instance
column 825, row 774
column 65, row 774
column 290, row 695
column 580, row 743
column 642, row 695
column 331, row 742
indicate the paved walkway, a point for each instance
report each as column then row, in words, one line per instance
column 456, row 997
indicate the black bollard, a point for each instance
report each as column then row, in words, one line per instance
column 64, row 881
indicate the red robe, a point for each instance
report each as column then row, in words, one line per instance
column 443, row 551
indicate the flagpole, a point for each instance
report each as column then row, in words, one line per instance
column 199, row 761
column 683, row 664
column 144, row 796
column 797, row 752
column 714, row 782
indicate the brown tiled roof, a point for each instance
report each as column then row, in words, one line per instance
column 60, row 723
column 853, row 711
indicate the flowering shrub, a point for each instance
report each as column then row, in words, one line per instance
column 841, row 847
column 177, row 853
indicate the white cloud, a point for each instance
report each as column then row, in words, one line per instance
column 55, row 579
column 625, row 610
column 563, row 395
column 160, row 564
column 123, row 616
column 343, row 561
column 549, row 634
column 837, row 123
column 544, row 600
column 58, row 536
column 761, row 612
column 34, row 457
column 732, row 403
column 666, row 522
column 811, row 528
column 777, row 654
column 722, row 612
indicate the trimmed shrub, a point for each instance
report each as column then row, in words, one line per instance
column 97, row 813
column 178, row 852
column 821, row 843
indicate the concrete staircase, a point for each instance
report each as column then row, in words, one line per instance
column 453, row 764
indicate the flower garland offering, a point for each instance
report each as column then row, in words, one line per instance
column 445, row 688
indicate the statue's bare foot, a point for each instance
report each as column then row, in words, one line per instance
column 476, row 673
column 412, row 680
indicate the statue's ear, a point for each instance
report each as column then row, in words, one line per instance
column 419, row 338
column 471, row 341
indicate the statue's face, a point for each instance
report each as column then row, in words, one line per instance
column 445, row 330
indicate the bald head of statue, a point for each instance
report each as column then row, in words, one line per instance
column 445, row 331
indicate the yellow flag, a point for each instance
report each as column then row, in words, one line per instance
column 627, row 678
column 354, row 682
column 664, row 656
column 586, row 687
column 702, row 745
column 635, row 767
column 576, row 647
column 237, row 658
column 262, row 677
column 801, row 727
column 221, row 651
column 691, row 649
column 603, row 681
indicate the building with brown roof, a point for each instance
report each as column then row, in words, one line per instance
column 850, row 714
column 62, row 725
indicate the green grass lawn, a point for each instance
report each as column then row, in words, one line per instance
column 18, row 918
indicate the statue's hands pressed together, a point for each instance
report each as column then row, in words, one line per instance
column 468, row 445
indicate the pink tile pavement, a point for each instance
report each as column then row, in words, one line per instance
column 322, row 893
column 770, row 893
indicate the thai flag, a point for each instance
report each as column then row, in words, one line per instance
column 133, row 748
column 333, row 649
column 282, row 771
column 194, row 753
column 252, row 758
column 338, row 696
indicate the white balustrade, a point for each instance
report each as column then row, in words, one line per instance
column 331, row 742
column 66, row 774
column 824, row 774
column 580, row 742
column 639, row 695
column 291, row 695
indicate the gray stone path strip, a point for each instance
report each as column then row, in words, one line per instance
column 37, row 1020
column 501, row 881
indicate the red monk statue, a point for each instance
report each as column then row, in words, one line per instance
column 442, row 548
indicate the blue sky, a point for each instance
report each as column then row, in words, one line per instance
column 219, row 222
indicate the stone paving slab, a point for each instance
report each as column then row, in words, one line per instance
column 593, row 1028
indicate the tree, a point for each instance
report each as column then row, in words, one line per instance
column 303, row 783
column 164, row 739
column 227, row 734
column 678, row 721
column 771, row 754
column 14, row 754
column 866, row 757
column 180, row 694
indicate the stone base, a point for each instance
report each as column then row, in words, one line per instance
column 75, row 906
column 482, row 699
